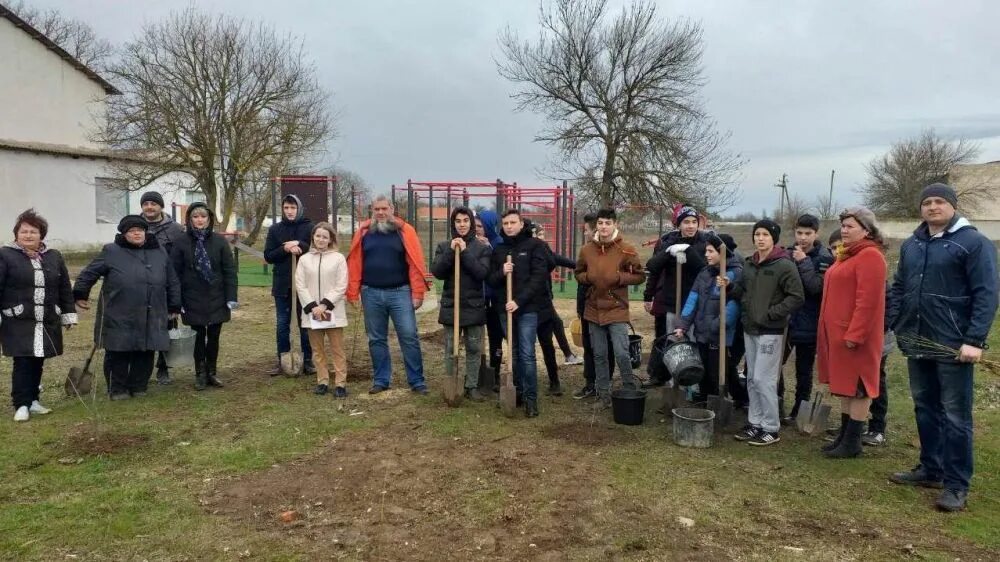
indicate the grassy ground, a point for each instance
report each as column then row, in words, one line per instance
column 185, row 475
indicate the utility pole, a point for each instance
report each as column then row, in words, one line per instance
column 783, row 196
column 832, row 210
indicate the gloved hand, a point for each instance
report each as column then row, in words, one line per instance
column 678, row 249
column 681, row 257
column 233, row 305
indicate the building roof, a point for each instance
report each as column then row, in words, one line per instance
column 51, row 45
column 74, row 151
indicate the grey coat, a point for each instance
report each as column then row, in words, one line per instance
column 140, row 290
column 167, row 232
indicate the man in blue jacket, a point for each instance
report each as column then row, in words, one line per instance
column 945, row 291
column 289, row 236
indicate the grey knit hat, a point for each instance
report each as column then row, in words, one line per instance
column 863, row 215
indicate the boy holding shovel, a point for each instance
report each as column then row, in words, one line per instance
column 474, row 265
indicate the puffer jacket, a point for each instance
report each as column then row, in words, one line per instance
column 474, row 265
column 662, row 267
column 802, row 325
column 609, row 268
column 769, row 292
column 945, row 288
column 205, row 302
column 321, row 278
column 701, row 309
column 531, row 272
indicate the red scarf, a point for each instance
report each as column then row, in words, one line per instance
column 846, row 251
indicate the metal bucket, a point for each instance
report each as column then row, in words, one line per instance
column 635, row 348
column 684, row 362
column 181, row 352
column 694, row 427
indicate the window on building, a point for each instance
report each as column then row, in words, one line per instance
column 194, row 196
column 112, row 200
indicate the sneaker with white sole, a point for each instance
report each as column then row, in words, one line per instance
column 22, row 414
column 764, row 438
column 572, row 359
column 37, row 408
column 873, row 438
column 747, row 433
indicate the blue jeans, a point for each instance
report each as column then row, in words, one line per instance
column 525, row 332
column 942, row 400
column 380, row 305
column 283, row 312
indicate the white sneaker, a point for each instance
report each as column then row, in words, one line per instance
column 22, row 414
column 37, row 408
column 572, row 359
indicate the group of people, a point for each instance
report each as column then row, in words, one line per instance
column 832, row 305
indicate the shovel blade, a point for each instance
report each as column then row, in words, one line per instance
column 802, row 418
column 452, row 390
column 79, row 382
column 822, row 418
column 487, row 378
column 508, row 400
column 291, row 363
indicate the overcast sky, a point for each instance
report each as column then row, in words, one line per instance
column 804, row 87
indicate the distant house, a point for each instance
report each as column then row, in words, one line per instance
column 440, row 213
column 975, row 176
column 50, row 103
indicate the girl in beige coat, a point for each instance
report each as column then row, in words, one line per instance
column 321, row 281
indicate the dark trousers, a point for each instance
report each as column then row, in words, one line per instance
column 659, row 326
column 283, row 314
column 206, row 344
column 880, row 405
column 805, row 358
column 161, row 361
column 545, row 332
column 494, row 332
column 25, row 375
column 942, row 400
column 128, row 371
column 559, row 330
column 589, row 373
column 709, row 383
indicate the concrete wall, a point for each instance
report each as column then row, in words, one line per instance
column 42, row 98
column 64, row 190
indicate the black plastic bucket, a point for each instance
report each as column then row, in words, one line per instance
column 684, row 362
column 628, row 406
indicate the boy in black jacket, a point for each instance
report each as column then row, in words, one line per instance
column 290, row 236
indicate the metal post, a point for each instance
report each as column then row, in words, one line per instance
column 430, row 222
column 465, row 197
column 562, row 234
column 333, row 202
column 499, row 208
column 410, row 214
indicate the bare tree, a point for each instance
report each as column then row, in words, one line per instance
column 76, row 37
column 827, row 208
column 348, row 181
column 622, row 101
column 224, row 100
column 795, row 206
column 896, row 179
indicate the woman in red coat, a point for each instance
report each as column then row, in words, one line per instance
column 849, row 342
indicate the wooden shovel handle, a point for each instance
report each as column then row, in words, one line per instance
column 455, row 302
column 295, row 321
column 677, row 294
column 510, row 315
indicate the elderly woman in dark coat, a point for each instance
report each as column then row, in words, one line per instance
column 35, row 303
column 141, row 294
column 207, row 272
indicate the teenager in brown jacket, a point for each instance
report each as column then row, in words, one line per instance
column 609, row 265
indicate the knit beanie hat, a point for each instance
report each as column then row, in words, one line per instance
column 769, row 225
column 684, row 213
column 129, row 222
column 728, row 239
column 153, row 196
column 941, row 190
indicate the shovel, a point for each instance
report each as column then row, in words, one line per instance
column 508, row 394
column 675, row 397
column 720, row 404
column 453, row 384
column 487, row 376
column 817, row 414
column 291, row 362
column 79, row 382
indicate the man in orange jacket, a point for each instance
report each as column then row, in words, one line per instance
column 385, row 271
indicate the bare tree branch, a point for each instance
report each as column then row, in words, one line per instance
column 621, row 101
column 76, row 37
column 224, row 100
column 896, row 179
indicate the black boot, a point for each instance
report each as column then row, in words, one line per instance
column 850, row 444
column 163, row 376
column 200, row 379
column 210, row 377
column 531, row 408
column 844, row 418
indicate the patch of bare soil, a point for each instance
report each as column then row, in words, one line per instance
column 400, row 493
column 587, row 435
column 102, row 443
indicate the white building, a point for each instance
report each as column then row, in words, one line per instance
column 50, row 103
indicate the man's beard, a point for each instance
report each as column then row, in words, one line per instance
column 384, row 226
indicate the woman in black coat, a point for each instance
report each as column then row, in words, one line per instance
column 35, row 303
column 141, row 294
column 207, row 272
